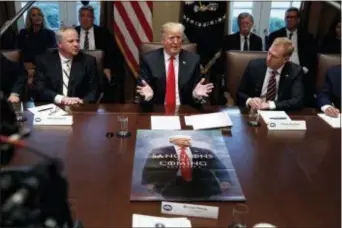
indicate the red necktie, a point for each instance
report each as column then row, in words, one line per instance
column 185, row 165
column 271, row 87
column 171, row 85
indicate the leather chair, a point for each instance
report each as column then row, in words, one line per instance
column 236, row 63
column 13, row 55
column 325, row 61
column 150, row 46
column 99, row 56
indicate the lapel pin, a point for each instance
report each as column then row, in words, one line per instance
column 286, row 75
column 184, row 62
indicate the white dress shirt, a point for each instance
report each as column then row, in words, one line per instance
column 242, row 41
column 58, row 97
column 91, row 38
column 176, row 69
column 178, row 151
column 295, row 57
column 265, row 84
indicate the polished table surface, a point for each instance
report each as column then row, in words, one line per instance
column 290, row 179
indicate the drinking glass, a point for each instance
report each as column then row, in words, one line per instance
column 123, row 124
column 240, row 213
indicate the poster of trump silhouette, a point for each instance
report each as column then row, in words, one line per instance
column 183, row 166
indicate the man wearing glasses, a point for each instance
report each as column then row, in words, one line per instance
column 304, row 53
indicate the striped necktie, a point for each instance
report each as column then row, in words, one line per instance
column 272, row 87
column 86, row 41
column 66, row 76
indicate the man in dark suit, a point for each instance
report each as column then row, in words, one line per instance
column 93, row 37
column 13, row 79
column 329, row 97
column 171, row 75
column 183, row 171
column 66, row 76
column 272, row 83
column 304, row 53
column 243, row 40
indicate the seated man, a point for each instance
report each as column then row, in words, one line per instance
column 330, row 94
column 13, row 79
column 171, row 75
column 272, row 83
column 244, row 39
column 66, row 76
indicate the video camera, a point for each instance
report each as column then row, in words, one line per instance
column 34, row 196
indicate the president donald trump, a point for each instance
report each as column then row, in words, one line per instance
column 180, row 171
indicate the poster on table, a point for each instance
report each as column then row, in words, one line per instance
column 183, row 166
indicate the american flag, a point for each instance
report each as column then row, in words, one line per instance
column 132, row 26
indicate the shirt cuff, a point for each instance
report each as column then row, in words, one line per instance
column 195, row 95
column 15, row 94
column 247, row 102
column 58, row 99
column 306, row 70
column 272, row 105
column 325, row 107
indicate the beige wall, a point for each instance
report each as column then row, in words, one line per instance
column 164, row 12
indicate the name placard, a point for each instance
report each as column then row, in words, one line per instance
column 53, row 120
column 189, row 210
column 287, row 125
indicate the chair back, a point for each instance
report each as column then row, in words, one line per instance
column 236, row 63
column 99, row 56
column 325, row 61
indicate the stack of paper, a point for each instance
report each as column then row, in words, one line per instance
column 208, row 121
column 48, row 110
column 333, row 122
column 159, row 222
column 271, row 116
column 165, row 123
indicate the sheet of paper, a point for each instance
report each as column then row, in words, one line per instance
column 273, row 116
column 47, row 110
column 333, row 122
column 208, row 121
column 165, row 123
column 152, row 221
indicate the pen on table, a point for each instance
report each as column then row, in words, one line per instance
column 278, row 118
column 45, row 109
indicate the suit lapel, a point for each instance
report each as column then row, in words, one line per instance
column 284, row 77
column 75, row 70
column 237, row 40
column 57, row 72
column 260, row 78
column 183, row 77
column 96, row 34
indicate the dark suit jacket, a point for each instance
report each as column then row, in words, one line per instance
column 306, row 46
column 13, row 77
column 161, row 170
column 152, row 70
column 83, row 82
column 331, row 90
column 232, row 42
column 290, row 92
column 105, row 41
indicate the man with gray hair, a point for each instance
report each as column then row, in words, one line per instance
column 66, row 76
column 244, row 39
column 171, row 75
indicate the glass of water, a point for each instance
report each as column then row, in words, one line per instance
column 19, row 111
column 123, row 127
column 240, row 213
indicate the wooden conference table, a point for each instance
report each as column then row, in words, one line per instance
column 290, row 179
